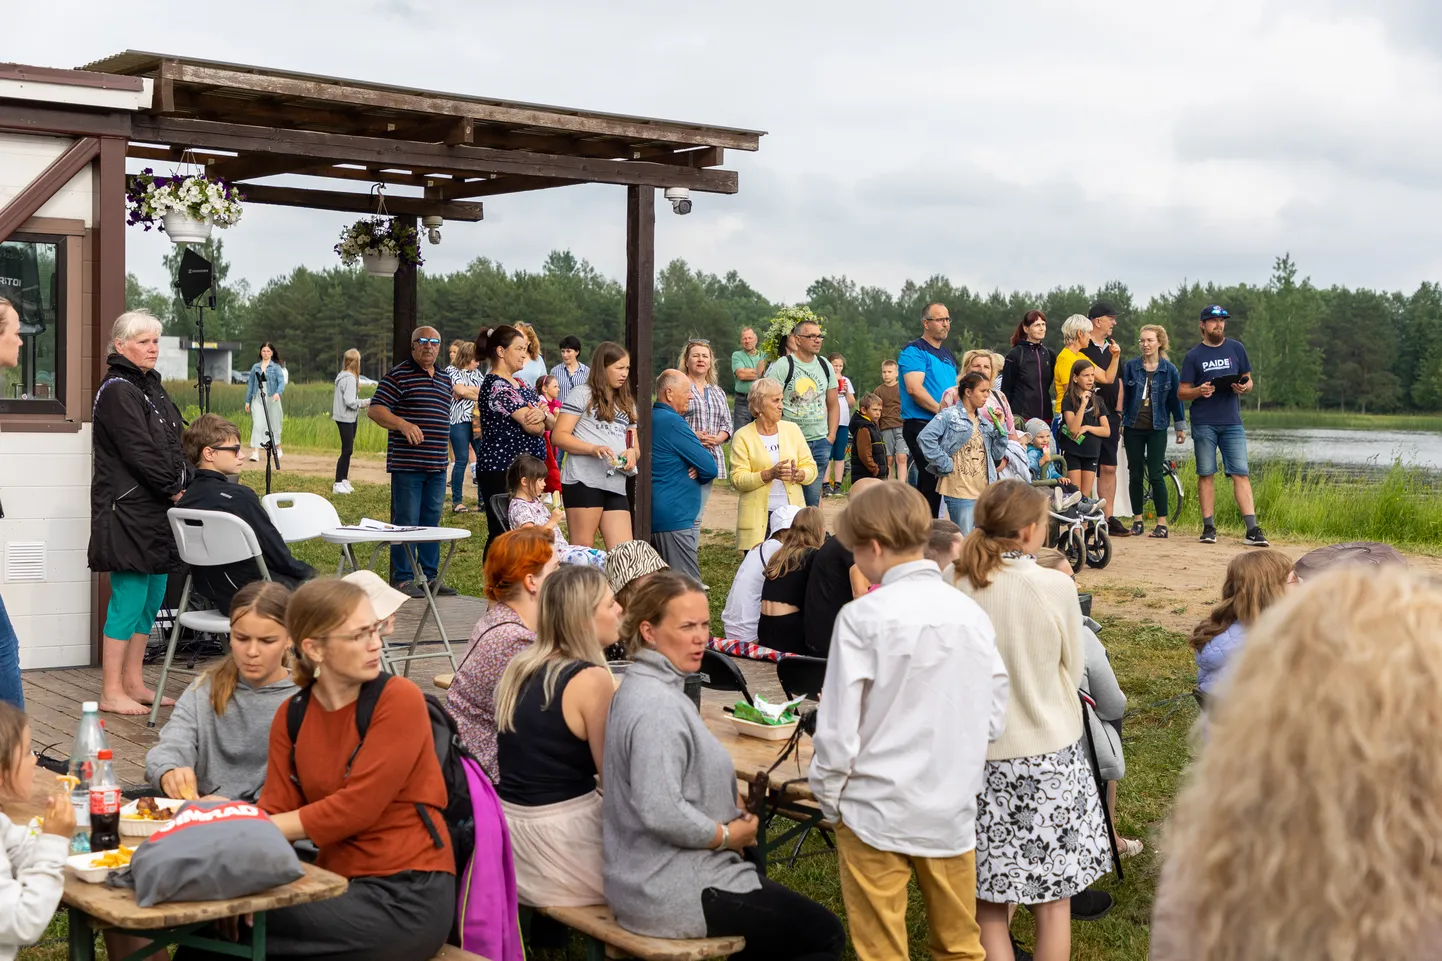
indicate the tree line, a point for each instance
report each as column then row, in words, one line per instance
column 1335, row 348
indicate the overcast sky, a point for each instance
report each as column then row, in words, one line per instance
column 1017, row 145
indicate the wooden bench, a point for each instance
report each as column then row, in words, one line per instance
column 607, row 939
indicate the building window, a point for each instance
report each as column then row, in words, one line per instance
column 32, row 278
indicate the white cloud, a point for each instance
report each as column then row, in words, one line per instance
column 1015, row 145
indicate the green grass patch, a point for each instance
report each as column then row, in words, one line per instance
column 1340, row 420
column 307, row 425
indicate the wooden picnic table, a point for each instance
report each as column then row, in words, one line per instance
column 96, row 906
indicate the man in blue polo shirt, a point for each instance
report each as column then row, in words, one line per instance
column 1215, row 375
column 413, row 403
column 928, row 368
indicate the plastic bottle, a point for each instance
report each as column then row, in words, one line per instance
column 104, row 805
column 89, row 740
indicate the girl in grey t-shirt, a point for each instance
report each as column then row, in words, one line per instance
column 594, row 429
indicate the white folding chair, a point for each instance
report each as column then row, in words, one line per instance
column 205, row 539
column 303, row 517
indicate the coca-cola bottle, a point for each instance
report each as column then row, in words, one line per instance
column 104, row 805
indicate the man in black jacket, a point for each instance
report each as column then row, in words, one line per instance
column 213, row 445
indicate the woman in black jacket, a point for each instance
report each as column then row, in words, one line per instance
column 1027, row 375
column 139, row 472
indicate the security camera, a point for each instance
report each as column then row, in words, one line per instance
column 433, row 228
column 680, row 199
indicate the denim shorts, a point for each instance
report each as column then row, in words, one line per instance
column 1230, row 439
column 895, row 443
column 838, row 447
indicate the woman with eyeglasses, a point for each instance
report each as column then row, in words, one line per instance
column 709, row 415
column 375, row 810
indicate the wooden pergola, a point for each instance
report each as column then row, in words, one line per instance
column 249, row 124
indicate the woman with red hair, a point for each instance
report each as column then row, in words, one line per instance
column 518, row 563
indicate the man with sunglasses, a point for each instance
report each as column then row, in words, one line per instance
column 413, row 403
column 212, row 445
column 808, row 397
column 1215, row 375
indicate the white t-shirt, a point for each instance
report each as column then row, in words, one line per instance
column 843, row 387
column 743, row 604
column 777, row 496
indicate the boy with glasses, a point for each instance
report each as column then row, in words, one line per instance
column 212, row 444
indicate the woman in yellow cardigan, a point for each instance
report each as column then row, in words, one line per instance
column 770, row 464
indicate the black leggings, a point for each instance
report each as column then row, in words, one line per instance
column 347, row 447
column 1147, row 457
column 925, row 480
column 491, row 482
column 777, row 923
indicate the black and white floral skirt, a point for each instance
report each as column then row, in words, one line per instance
column 1040, row 833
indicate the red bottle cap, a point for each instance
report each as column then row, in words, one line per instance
column 103, row 754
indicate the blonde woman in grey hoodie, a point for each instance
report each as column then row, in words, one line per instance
column 345, row 407
column 217, row 739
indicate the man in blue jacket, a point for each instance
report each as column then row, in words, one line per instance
column 679, row 466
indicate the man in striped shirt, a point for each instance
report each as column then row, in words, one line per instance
column 413, row 403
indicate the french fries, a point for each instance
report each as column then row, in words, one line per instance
column 118, row 858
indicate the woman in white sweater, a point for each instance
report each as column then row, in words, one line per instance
column 1040, row 835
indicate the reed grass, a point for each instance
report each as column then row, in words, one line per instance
column 1340, row 420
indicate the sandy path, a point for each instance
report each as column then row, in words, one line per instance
column 1169, row 582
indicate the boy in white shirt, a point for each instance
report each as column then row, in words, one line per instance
column 915, row 691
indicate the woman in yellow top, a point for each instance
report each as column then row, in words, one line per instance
column 770, row 464
column 1076, row 331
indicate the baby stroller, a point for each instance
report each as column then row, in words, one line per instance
column 1078, row 527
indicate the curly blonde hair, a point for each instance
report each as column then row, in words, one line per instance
column 1308, row 827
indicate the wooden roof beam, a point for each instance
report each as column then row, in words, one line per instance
column 466, row 160
column 359, row 203
column 433, row 104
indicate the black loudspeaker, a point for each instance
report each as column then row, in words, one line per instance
column 196, row 276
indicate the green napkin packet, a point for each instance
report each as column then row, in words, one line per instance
column 763, row 712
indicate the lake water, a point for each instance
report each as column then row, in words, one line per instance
column 1357, row 449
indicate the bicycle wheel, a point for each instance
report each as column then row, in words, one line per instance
column 1174, row 490
column 1073, row 545
column 1099, row 550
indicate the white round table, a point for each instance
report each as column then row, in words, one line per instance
column 347, row 537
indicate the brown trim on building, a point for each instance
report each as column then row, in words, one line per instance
column 69, row 78
column 108, row 216
column 24, row 117
column 38, row 192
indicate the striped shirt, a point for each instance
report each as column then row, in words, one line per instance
column 568, row 380
column 710, row 413
column 424, row 400
column 463, row 409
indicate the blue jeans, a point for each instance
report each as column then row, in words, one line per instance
column 821, row 453
column 416, row 500
column 10, row 689
column 960, row 510
column 1230, row 439
column 462, row 442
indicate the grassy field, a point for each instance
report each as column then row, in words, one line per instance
column 1340, row 420
column 307, row 425
column 1152, row 665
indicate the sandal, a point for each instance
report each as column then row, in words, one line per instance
column 1129, row 847
column 1159, row 531
column 1136, row 528
column 460, row 509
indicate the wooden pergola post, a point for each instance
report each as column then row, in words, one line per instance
column 640, row 301
column 404, row 305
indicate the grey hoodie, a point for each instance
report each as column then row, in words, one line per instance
column 227, row 751
column 669, row 783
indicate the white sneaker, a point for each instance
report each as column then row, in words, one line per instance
column 339, row 489
column 348, row 489
column 254, row 455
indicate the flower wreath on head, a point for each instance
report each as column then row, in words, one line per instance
column 781, row 326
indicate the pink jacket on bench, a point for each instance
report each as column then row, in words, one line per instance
column 486, row 909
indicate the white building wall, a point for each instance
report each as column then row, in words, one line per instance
column 46, row 483
column 174, row 362
column 24, row 157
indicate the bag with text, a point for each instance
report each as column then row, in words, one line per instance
column 212, row 851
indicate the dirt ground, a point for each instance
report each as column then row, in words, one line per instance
column 1169, row 582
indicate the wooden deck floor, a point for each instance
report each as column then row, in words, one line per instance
column 53, row 697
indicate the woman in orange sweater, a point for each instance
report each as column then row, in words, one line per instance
column 362, row 804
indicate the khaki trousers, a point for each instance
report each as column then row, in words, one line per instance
column 873, row 884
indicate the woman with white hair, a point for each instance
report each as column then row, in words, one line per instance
column 139, row 472
column 1076, row 331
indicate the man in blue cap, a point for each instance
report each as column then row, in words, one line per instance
column 1215, row 375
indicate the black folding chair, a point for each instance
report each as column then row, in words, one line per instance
column 501, row 507
column 722, row 674
column 801, row 676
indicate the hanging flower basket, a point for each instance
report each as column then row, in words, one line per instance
column 185, row 207
column 380, row 263
column 382, row 244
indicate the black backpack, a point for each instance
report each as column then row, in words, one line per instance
column 460, row 819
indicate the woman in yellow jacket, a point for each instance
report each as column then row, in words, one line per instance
column 770, row 464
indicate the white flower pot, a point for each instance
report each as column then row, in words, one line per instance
column 182, row 228
column 379, row 263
